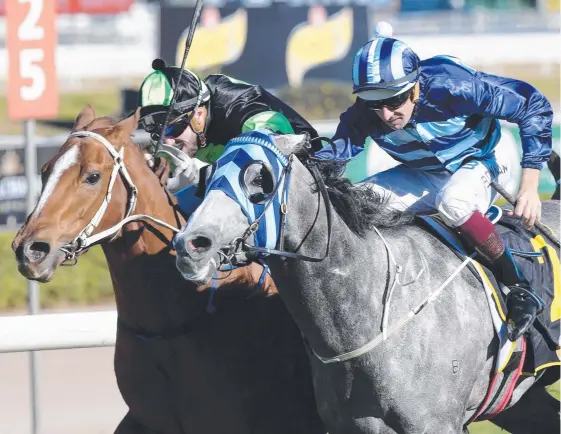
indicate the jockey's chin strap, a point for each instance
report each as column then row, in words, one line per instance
column 86, row 238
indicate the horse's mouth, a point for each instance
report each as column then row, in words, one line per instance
column 196, row 273
column 42, row 272
column 39, row 273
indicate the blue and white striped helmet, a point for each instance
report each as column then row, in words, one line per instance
column 384, row 67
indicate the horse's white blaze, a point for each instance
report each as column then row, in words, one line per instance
column 65, row 162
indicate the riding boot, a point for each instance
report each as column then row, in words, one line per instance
column 522, row 302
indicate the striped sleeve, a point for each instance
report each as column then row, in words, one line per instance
column 511, row 100
column 349, row 138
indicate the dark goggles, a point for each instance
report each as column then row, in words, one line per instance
column 152, row 124
column 392, row 103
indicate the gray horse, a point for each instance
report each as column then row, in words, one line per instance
column 432, row 374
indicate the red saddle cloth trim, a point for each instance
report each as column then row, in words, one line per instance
column 510, row 386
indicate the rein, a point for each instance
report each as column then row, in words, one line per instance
column 85, row 237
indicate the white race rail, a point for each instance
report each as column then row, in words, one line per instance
column 57, row 331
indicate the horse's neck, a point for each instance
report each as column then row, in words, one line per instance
column 149, row 290
column 337, row 302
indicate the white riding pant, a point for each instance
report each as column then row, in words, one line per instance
column 454, row 196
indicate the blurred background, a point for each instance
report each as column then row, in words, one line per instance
column 300, row 50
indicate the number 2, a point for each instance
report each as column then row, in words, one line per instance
column 29, row 30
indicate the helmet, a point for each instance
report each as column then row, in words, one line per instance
column 157, row 90
column 383, row 68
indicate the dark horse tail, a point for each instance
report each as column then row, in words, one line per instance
column 554, row 165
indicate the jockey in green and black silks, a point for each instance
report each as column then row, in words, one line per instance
column 206, row 115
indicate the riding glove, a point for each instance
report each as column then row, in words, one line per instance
column 186, row 169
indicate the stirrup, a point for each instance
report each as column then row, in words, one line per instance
column 528, row 304
column 518, row 288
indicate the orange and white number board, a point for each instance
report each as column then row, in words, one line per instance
column 31, row 43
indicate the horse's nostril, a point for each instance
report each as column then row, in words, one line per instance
column 200, row 244
column 36, row 251
column 19, row 251
column 179, row 246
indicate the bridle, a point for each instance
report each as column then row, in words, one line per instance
column 86, row 237
column 239, row 245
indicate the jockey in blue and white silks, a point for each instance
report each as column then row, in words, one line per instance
column 440, row 118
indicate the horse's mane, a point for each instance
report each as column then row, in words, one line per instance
column 359, row 205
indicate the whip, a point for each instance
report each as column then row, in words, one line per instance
column 194, row 22
column 548, row 234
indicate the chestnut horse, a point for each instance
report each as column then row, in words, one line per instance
column 180, row 368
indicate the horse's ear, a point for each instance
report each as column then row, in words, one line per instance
column 86, row 117
column 128, row 126
column 298, row 144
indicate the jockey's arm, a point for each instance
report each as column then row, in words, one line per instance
column 514, row 101
column 520, row 103
column 349, row 139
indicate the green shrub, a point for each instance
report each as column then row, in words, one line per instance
column 88, row 282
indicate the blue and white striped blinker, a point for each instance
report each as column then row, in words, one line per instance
column 227, row 176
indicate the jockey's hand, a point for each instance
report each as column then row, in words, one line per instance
column 528, row 203
column 186, row 171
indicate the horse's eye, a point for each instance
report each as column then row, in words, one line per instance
column 93, row 178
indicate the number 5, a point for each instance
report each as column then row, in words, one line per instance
column 30, row 70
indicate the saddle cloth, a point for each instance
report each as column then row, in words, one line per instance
column 543, row 272
column 530, row 354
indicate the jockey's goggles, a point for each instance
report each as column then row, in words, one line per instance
column 392, row 103
column 153, row 123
